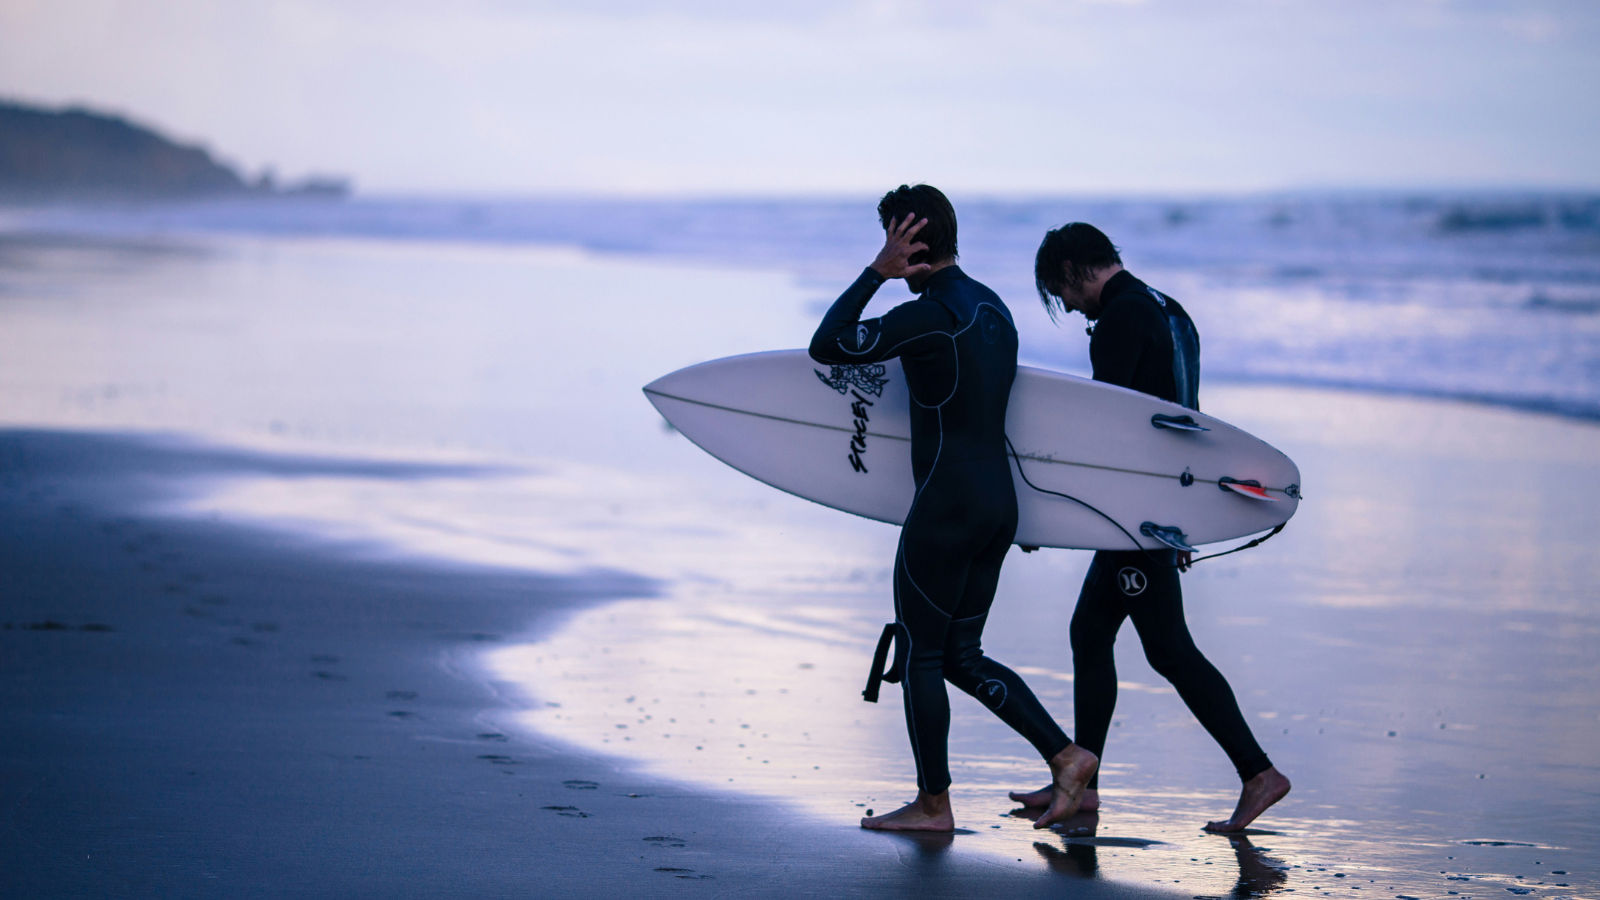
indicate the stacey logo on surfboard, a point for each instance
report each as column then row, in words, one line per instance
column 858, row 441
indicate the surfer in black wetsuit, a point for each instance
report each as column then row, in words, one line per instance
column 958, row 347
column 1141, row 339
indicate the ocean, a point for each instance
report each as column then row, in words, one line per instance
column 1417, row 650
column 1488, row 297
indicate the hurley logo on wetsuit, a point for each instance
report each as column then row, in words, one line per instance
column 1131, row 581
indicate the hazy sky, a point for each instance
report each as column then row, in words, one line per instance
column 717, row 96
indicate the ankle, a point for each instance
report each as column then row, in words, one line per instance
column 1063, row 758
column 1070, row 757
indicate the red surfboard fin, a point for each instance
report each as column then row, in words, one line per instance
column 1251, row 489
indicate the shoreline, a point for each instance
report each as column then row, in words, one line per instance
column 1549, row 293
column 1551, row 408
column 1364, row 591
column 1417, row 509
column 201, row 707
column 405, row 671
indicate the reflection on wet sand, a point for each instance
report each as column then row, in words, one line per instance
column 766, row 679
column 1428, row 613
column 1077, row 853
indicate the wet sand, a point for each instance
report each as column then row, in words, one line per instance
column 1417, row 651
column 422, row 599
column 249, row 581
column 198, row 707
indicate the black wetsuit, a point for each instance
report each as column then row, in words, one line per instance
column 1144, row 340
column 958, row 347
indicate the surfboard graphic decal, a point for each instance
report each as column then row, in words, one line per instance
column 869, row 378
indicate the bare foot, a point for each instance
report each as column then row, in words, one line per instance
column 1258, row 794
column 929, row 812
column 1043, row 796
column 1070, row 771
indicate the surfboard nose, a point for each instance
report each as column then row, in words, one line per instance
column 659, row 385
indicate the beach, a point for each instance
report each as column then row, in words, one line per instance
column 199, row 708
column 360, row 566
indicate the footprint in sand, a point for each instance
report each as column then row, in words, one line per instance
column 53, row 625
column 571, row 812
column 577, row 784
column 682, row 873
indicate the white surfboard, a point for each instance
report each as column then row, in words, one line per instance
column 840, row 435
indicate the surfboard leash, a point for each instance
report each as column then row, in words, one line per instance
column 1140, row 547
column 1254, row 543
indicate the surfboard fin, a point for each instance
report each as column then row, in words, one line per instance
column 1177, row 423
column 1251, row 488
column 1171, row 535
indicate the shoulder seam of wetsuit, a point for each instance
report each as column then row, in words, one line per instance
column 891, row 351
column 953, row 335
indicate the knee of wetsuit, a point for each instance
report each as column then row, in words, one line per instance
column 1173, row 659
column 973, row 675
column 964, row 664
column 1089, row 641
column 963, row 643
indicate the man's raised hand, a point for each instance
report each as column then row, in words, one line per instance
column 894, row 260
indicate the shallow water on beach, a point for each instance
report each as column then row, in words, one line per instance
column 1417, row 650
column 1432, row 697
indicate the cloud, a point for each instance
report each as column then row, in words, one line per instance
column 720, row 96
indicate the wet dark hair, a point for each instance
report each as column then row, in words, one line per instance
column 923, row 201
column 1068, row 256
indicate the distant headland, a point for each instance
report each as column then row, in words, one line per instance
column 79, row 155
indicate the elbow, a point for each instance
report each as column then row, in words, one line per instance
column 819, row 349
